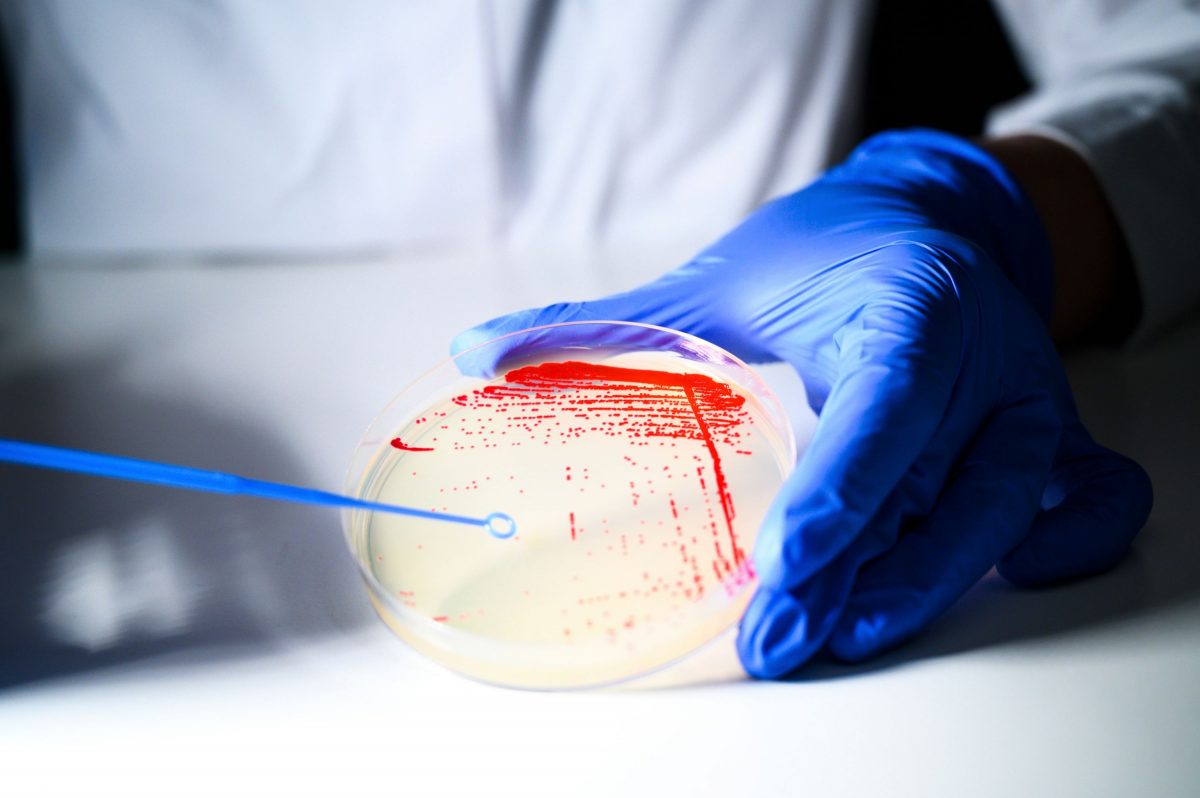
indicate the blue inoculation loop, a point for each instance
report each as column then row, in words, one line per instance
column 499, row 525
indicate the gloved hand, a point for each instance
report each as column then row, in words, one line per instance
column 909, row 287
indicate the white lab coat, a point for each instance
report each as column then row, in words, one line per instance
column 301, row 126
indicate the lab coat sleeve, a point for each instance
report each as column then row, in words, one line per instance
column 1120, row 83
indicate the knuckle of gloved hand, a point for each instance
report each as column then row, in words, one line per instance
column 915, row 298
column 911, row 271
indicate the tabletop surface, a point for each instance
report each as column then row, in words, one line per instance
column 157, row 642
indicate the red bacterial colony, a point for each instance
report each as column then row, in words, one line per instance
column 399, row 444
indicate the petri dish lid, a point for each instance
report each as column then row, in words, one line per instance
column 636, row 463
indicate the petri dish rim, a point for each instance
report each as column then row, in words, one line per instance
column 369, row 449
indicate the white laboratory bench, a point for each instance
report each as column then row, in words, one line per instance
column 154, row 642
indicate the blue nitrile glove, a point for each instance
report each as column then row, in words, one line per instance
column 905, row 286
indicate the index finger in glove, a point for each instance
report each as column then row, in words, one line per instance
column 680, row 300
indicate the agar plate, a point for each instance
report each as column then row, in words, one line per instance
column 635, row 464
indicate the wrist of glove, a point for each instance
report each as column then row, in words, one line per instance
column 966, row 191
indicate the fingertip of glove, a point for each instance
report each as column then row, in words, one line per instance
column 484, row 361
column 494, row 328
column 772, row 636
column 468, row 339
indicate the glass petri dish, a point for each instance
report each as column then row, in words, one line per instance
column 636, row 464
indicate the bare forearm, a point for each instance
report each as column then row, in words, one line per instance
column 1095, row 294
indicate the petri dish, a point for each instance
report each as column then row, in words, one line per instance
column 636, row 464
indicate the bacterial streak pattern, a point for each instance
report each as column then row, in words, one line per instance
column 662, row 436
